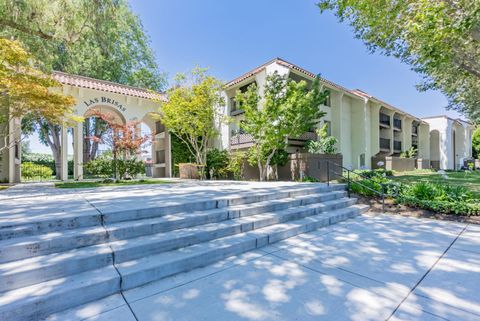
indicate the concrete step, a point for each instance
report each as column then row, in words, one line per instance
column 197, row 205
column 37, row 301
column 30, row 226
column 131, row 229
column 161, row 242
column 26, row 272
column 37, row 245
column 44, row 224
column 141, row 271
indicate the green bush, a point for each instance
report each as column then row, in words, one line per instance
column 100, row 167
column 366, row 187
column 34, row 171
column 236, row 164
column 439, row 192
column 130, row 168
column 309, row 179
column 45, row 160
column 217, row 163
column 380, row 172
column 446, row 207
column 104, row 167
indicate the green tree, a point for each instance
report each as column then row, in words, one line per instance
column 287, row 109
column 25, row 91
column 325, row 144
column 440, row 40
column 193, row 112
column 102, row 39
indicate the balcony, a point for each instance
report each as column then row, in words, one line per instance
column 241, row 140
column 384, row 144
column 397, row 124
column 235, row 108
column 302, row 138
column 397, row 146
column 384, row 120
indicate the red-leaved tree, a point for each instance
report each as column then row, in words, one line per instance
column 125, row 142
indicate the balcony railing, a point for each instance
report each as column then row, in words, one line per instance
column 240, row 139
column 306, row 136
column 397, row 146
column 397, row 123
column 384, row 119
column 385, row 143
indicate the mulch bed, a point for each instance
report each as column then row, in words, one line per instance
column 398, row 209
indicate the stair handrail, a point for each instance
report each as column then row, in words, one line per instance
column 350, row 180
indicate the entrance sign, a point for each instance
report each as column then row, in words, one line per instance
column 105, row 100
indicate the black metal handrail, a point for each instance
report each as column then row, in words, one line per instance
column 350, row 180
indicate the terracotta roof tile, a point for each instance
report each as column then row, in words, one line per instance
column 107, row 86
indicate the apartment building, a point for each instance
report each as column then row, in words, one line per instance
column 366, row 127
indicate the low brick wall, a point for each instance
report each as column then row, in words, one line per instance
column 300, row 165
column 315, row 165
column 435, row 164
column 399, row 164
column 423, row 163
column 376, row 160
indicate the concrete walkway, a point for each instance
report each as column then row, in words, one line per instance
column 368, row 268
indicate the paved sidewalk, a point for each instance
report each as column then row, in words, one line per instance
column 369, row 268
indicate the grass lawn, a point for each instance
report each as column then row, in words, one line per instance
column 467, row 179
column 3, row 187
column 100, row 184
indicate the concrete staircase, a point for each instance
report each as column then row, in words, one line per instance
column 52, row 264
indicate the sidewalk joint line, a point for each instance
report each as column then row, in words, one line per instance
column 426, row 273
column 107, row 233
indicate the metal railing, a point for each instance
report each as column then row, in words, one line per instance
column 331, row 168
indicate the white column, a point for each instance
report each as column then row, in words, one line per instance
column 168, row 154
column 78, row 151
column 64, row 153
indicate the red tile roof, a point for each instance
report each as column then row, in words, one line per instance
column 288, row 65
column 107, row 86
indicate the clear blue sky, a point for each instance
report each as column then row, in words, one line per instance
column 232, row 37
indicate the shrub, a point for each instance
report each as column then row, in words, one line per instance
column 35, row 171
column 128, row 169
column 101, row 167
column 445, row 207
column 380, row 172
column 366, row 187
column 236, row 164
column 309, row 179
column 217, row 163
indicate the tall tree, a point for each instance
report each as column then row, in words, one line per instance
column 26, row 91
column 439, row 39
column 193, row 113
column 102, row 39
column 287, row 109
